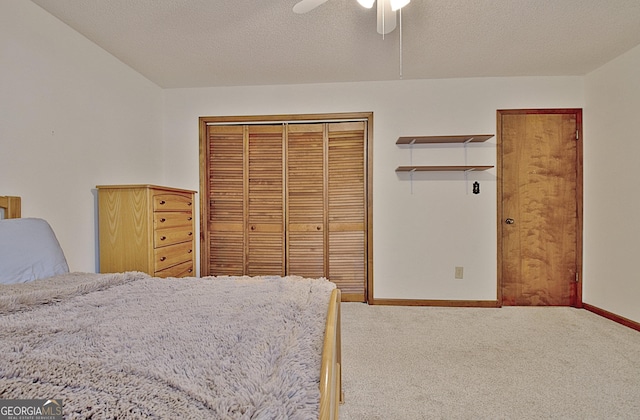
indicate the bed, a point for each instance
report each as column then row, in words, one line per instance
column 127, row 345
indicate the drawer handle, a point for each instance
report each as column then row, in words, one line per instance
column 162, row 238
column 163, row 220
column 188, row 204
column 162, row 202
column 190, row 218
column 190, row 251
column 190, row 233
column 190, row 270
column 318, row 228
column 163, row 258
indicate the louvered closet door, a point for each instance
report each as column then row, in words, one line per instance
column 287, row 199
column 226, row 224
column 347, row 209
column 305, row 200
column 265, row 204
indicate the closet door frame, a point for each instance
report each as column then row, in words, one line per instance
column 367, row 117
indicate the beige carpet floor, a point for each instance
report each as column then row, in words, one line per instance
column 476, row 363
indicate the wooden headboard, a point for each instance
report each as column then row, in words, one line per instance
column 11, row 206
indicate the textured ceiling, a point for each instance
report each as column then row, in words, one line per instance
column 199, row 43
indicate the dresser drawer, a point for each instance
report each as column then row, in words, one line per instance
column 171, row 255
column 169, row 219
column 172, row 202
column 170, row 236
column 184, row 269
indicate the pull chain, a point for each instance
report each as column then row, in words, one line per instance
column 400, row 43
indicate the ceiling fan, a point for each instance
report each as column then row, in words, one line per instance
column 386, row 11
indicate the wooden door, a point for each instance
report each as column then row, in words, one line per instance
column 265, row 246
column 245, row 230
column 539, row 207
column 346, row 208
column 223, row 231
column 326, row 205
column 306, row 196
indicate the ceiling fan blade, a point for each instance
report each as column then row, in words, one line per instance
column 305, row 6
column 386, row 17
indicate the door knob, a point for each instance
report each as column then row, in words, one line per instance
column 509, row 221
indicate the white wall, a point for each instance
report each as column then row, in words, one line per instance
column 611, row 199
column 71, row 117
column 419, row 237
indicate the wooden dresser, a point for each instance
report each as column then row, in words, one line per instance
column 146, row 228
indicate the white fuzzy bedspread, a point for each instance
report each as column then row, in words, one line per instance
column 131, row 346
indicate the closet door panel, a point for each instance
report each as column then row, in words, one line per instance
column 347, row 208
column 265, row 222
column 305, row 200
column 225, row 233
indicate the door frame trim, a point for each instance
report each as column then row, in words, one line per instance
column 576, row 298
column 296, row 118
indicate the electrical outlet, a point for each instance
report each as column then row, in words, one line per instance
column 459, row 273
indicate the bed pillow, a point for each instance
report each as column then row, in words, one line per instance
column 29, row 250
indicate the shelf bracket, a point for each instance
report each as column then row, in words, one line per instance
column 466, row 142
column 411, row 179
column 411, row 143
column 466, row 172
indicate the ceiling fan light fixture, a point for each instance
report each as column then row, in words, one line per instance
column 398, row 4
column 366, row 3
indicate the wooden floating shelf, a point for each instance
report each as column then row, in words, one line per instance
column 442, row 168
column 477, row 138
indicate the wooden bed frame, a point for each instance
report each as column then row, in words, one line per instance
column 11, row 206
column 331, row 395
